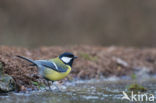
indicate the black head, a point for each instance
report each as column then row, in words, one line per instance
column 67, row 58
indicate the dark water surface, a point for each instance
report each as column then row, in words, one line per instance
column 94, row 91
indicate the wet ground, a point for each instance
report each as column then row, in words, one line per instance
column 92, row 62
column 130, row 64
column 92, row 91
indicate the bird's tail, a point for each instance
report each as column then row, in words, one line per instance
column 29, row 60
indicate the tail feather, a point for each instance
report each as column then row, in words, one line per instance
column 29, row 60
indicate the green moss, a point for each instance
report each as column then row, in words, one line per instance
column 7, row 83
column 133, row 76
column 37, row 84
column 88, row 57
column 136, row 87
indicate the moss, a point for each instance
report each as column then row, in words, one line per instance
column 133, row 76
column 88, row 57
column 136, row 87
column 37, row 84
column 7, row 83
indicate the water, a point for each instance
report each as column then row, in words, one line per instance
column 93, row 91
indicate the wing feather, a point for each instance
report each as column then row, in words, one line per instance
column 51, row 65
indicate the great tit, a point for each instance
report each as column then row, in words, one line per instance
column 54, row 69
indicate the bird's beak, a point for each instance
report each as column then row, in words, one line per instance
column 75, row 57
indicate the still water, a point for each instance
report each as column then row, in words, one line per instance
column 92, row 91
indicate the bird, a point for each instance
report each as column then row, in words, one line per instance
column 53, row 69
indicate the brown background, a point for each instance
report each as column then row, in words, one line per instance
column 34, row 23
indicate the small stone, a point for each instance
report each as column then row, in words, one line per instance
column 7, row 83
column 22, row 88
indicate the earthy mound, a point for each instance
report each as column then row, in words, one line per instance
column 93, row 61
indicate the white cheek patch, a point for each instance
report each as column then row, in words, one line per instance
column 66, row 59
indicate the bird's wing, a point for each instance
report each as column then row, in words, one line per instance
column 51, row 65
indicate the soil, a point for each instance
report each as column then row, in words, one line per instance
column 92, row 62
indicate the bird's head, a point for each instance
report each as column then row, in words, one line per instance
column 67, row 58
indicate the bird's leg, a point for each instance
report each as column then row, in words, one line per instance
column 52, row 82
column 56, row 86
column 49, row 85
column 46, row 83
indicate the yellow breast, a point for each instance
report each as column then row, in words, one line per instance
column 54, row 75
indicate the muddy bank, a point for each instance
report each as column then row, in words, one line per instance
column 93, row 61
